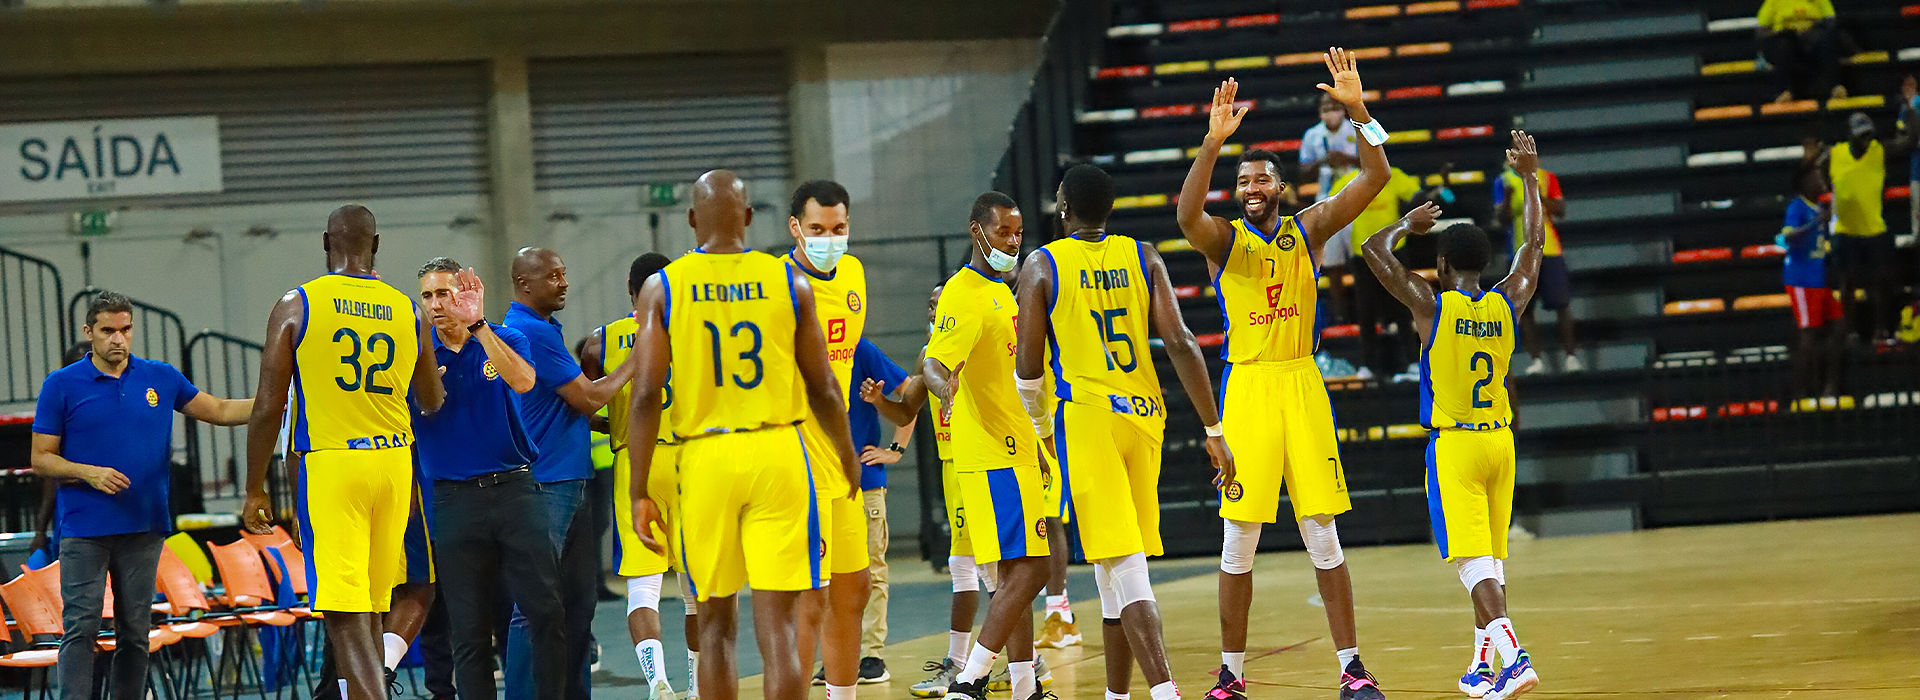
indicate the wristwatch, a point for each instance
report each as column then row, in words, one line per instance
column 895, row 447
column 477, row 325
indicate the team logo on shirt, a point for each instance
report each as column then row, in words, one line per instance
column 836, row 330
column 1273, row 295
column 853, row 302
column 153, row 398
column 488, row 370
column 1285, row 241
column 1234, row 492
column 1040, row 528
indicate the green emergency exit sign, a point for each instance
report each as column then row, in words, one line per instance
column 662, row 194
column 92, row 223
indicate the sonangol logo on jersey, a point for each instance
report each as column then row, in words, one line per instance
column 836, row 330
column 1285, row 241
column 153, row 397
column 488, row 370
column 853, row 302
column 1234, row 492
column 1273, row 295
column 1040, row 528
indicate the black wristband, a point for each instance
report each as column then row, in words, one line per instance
column 477, row 325
column 895, row 447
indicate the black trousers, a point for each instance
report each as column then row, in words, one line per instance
column 484, row 537
column 1808, row 63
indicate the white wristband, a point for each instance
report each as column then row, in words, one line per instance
column 1215, row 430
column 1371, row 131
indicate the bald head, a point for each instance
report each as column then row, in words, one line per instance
column 351, row 231
column 720, row 213
column 540, row 280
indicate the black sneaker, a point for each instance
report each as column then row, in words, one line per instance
column 976, row 690
column 1357, row 684
column 1042, row 695
column 820, row 676
column 1230, row 687
column 394, row 689
column 873, row 670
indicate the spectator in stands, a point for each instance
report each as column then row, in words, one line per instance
column 1909, row 126
column 1861, row 247
column 1816, row 360
column 1801, row 41
column 1329, row 150
column 1556, row 281
column 104, row 429
column 1383, row 355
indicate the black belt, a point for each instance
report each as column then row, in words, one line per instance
column 496, row 478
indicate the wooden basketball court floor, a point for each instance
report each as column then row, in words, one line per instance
column 1810, row 608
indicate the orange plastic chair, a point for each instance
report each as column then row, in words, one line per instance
column 34, row 659
column 45, row 582
column 264, row 542
column 245, row 575
column 185, row 599
column 32, row 611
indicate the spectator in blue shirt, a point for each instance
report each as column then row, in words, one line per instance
column 875, row 376
column 555, row 413
column 1909, row 137
column 1816, row 311
column 104, row 431
column 476, row 454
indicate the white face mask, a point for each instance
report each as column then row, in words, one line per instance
column 932, row 328
column 1000, row 262
column 824, row 251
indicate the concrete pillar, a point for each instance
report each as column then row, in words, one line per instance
column 510, row 161
column 810, row 119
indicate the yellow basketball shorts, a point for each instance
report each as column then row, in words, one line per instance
column 1005, row 513
column 1470, row 491
column 417, row 550
column 1054, row 490
column 747, row 514
column 1279, row 424
column 1110, row 469
column 958, row 545
column 631, row 558
column 354, row 507
column 842, row 519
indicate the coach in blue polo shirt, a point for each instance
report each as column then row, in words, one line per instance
column 104, row 431
column 555, row 412
column 476, row 453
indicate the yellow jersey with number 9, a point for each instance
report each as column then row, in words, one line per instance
column 730, row 321
column 1463, row 369
column 974, row 337
column 1100, row 320
column 1267, row 290
column 352, row 365
column 840, row 300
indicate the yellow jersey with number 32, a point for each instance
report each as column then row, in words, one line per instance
column 352, row 365
column 1463, row 369
column 1267, row 290
column 1100, row 319
column 730, row 321
column 974, row 335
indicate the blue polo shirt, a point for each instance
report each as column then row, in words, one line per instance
column 1806, row 264
column 124, row 423
column 560, row 435
column 862, row 417
column 478, row 431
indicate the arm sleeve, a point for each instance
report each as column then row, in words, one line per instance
column 553, row 366
column 183, row 390
column 954, row 336
column 870, row 363
column 50, row 412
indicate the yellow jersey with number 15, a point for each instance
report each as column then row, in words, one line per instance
column 1463, row 369
column 840, row 300
column 730, row 321
column 974, row 336
column 1267, row 291
column 1100, row 319
column 352, row 365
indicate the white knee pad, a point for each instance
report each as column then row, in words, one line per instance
column 1237, row 543
column 966, row 575
column 989, row 576
column 1473, row 570
column 643, row 592
column 1500, row 571
column 1109, row 598
column 1323, row 543
column 1128, row 576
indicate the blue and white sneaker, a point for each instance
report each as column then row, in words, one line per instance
column 1477, row 681
column 1515, row 680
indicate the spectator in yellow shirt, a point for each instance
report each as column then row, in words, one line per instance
column 1861, row 245
column 1800, row 41
column 1384, row 355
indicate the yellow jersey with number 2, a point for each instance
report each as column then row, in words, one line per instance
column 730, row 321
column 1101, row 317
column 974, row 336
column 353, row 364
column 1267, row 290
column 1463, row 370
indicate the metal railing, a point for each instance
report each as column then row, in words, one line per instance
column 228, row 367
column 158, row 334
column 33, row 333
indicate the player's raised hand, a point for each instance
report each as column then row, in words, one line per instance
column 1346, row 77
column 1222, row 458
column 469, row 297
column 1522, row 156
column 646, row 516
column 1223, row 119
column 1420, row 220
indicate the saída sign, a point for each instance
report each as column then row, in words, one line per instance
column 42, row 161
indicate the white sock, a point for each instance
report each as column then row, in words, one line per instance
column 1347, row 656
column 1482, row 646
column 1235, row 661
column 979, row 662
column 839, row 692
column 1118, row 696
column 396, row 649
column 652, row 660
column 693, row 673
column 1058, row 605
column 1024, row 684
column 957, row 646
column 1165, row 691
column 1504, row 640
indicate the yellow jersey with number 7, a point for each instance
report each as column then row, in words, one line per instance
column 1267, row 290
column 1101, row 317
column 352, row 365
column 730, row 321
column 1463, row 369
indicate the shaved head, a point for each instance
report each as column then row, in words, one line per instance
column 351, row 231
column 720, row 213
column 540, row 280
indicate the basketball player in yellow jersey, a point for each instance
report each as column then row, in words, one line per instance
column 351, row 348
column 1274, row 406
column 643, row 568
column 1467, row 338
column 749, row 363
column 817, row 219
column 1089, row 298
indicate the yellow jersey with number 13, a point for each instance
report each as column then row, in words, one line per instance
column 352, row 365
column 1267, row 290
column 974, row 336
column 1463, row 369
column 730, row 321
column 1101, row 316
